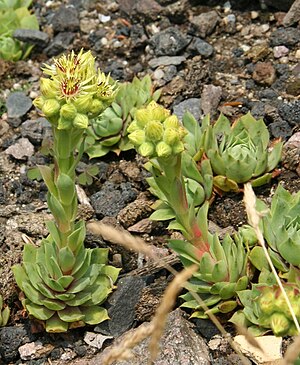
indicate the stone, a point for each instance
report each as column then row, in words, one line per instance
column 291, row 153
column 112, row 198
column 278, row 4
column 210, row 98
column 270, row 345
column 179, row 345
column 34, row 350
column 36, row 130
column 32, row 36
column 205, row 23
column 293, row 15
column 191, row 105
column 166, row 61
column 199, row 47
column 141, row 9
column 95, row 339
column 280, row 51
column 169, row 42
column 21, row 149
column 59, row 43
column 65, row 19
column 264, row 73
column 17, row 104
column 280, row 129
column 290, row 112
column 122, row 306
column 11, row 338
column 4, row 127
column 285, row 37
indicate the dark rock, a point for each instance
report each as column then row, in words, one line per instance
column 141, row 9
column 205, row 23
column 17, row 104
column 205, row 327
column 199, row 47
column 112, row 198
column 258, row 109
column 169, row 73
column 137, row 35
column 293, row 87
column 279, row 4
column 3, row 193
column 36, row 130
column 285, row 37
column 59, row 43
column 268, row 94
column 280, row 129
column 116, row 70
column 293, row 15
column 32, row 36
column 191, row 105
column 169, row 42
column 11, row 338
column 65, row 19
column 290, row 112
column 122, row 305
column 210, row 99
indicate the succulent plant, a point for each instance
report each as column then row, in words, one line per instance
column 222, row 269
column 65, row 283
column 265, row 308
column 15, row 15
column 108, row 132
column 4, row 313
column 240, row 152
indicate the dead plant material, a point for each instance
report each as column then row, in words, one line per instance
column 167, row 303
column 253, row 219
column 122, row 351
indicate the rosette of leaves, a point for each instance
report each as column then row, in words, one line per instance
column 240, row 152
column 108, row 132
column 222, row 269
column 14, row 14
column 265, row 308
column 4, row 313
column 65, row 285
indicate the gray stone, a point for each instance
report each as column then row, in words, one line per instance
column 59, row 43
column 112, row 198
column 17, row 104
column 293, row 15
column 290, row 112
column 169, row 42
column 32, row 36
column 36, row 130
column 285, row 37
column 21, row 149
column 191, row 105
column 141, row 9
column 65, row 19
column 200, row 47
column 166, row 61
column 210, row 98
column 122, row 306
column 205, row 23
column 278, row 4
column 179, row 345
column 280, row 129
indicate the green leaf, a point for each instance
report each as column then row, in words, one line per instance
column 94, row 315
column 54, row 304
column 38, row 311
column 71, row 314
column 162, row 214
column 79, row 299
column 33, row 173
column 76, row 239
column 111, row 272
column 66, row 188
column 56, row 325
column 48, row 177
column 66, row 259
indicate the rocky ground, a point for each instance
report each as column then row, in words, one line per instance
column 208, row 57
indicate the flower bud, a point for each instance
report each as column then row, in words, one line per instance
column 146, row 149
column 83, row 103
column 97, row 107
column 142, row 117
column 163, row 149
column 133, row 126
column 158, row 112
column 171, row 136
column 50, row 107
column 81, row 121
column 178, row 148
column 182, row 132
column 47, row 88
column 154, row 131
column 68, row 111
column 171, row 122
column 266, row 302
column 137, row 137
column 39, row 102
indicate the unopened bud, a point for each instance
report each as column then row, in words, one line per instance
column 171, row 122
column 280, row 324
column 81, row 121
column 170, row 136
column 133, row 126
column 97, row 107
column 142, row 117
column 39, row 102
column 50, row 107
column 64, row 123
column 68, row 111
column 48, row 88
column 137, row 137
column 154, row 131
column 146, row 149
column 163, row 149
column 83, row 103
column 177, row 148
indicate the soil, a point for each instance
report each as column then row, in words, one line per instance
column 248, row 55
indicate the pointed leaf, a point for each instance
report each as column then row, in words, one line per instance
column 38, row 311
column 95, row 315
column 56, row 325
